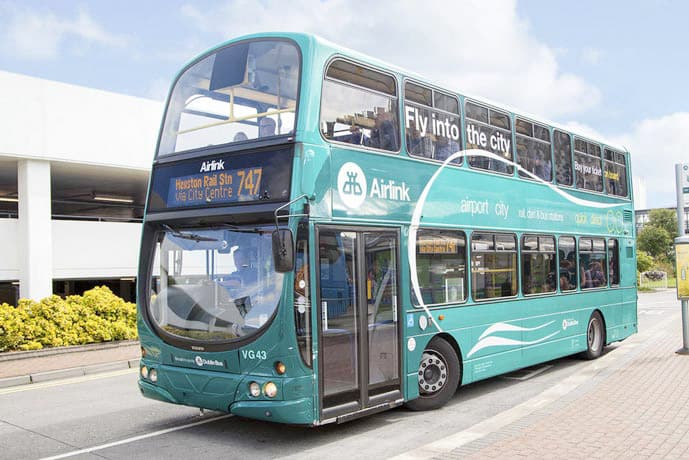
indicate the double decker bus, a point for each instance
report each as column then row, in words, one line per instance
column 328, row 236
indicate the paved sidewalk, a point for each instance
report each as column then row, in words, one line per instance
column 638, row 409
column 21, row 368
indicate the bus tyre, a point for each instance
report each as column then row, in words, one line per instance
column 595, row 336
column 438, row 376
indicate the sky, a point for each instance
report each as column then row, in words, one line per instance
column 615, row 70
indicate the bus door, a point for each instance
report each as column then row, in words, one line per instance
column 359, row 326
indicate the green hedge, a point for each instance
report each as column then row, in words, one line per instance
column 96, row 316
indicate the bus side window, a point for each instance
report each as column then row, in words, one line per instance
column 493, row 265
column 441, row 266
column 568, row 263
column 359, row 106
column 533, row 150
column 615, row 173
column 538, row 264
column 589, row 167
column 563, row 158
column 431, row 123
column 592, row 263
column 613, row 262
column 491, row 131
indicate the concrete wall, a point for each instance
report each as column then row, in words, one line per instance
column 80, row 249
column 43, row 119
column 9, row 259
column 95, row 249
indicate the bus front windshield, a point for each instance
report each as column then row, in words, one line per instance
column 242, row 92
column 214, row 285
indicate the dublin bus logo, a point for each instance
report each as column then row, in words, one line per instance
column 351, row 185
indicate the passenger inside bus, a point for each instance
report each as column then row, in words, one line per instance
column 384, row 134
column 356, row 136
column 444, row 147
column 266, row 127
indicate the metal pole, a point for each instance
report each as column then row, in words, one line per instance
column 685, row 329
column 679, row 176
column 680, row 172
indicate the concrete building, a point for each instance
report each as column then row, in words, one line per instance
column 74, row 166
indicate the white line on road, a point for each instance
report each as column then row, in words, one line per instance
column 136, row 438
column 69, row 381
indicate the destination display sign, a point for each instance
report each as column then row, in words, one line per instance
column 222, row 180
column 437, row 246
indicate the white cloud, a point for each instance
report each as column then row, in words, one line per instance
column 656, row 145
column 477, row 47
column 41, row 35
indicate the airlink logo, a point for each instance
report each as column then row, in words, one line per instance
column 208, row 362
column 353, row 188
column 214, row 165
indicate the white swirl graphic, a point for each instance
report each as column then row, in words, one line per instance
column 418, row 209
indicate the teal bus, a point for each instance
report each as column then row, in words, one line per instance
column 327, row 236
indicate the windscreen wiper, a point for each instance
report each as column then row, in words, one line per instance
column 187, row 236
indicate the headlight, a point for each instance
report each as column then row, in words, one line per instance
column 144, row 372
column 280, row 368
column 270, row 389
column 153, row 375
column 254, row 389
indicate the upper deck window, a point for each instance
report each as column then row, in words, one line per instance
column 431, row 123
column 488, row 129
column 563, row 158
column 533, row 150
column 615, row 173
column 360, row 107
column 587, row 165
column 241, row 92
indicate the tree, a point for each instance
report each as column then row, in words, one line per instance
column 655, row 241
column 665, row 219
column 644, row 262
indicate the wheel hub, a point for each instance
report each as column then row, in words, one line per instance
column 432, row 373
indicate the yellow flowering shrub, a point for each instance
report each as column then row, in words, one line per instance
column 96, row 316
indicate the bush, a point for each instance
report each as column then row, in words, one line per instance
column 96, row 316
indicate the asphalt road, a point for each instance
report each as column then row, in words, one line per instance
column 104, row 416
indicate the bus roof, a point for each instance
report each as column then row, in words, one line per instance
column 335, row 48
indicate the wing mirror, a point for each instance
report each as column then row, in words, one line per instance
column 283, row 250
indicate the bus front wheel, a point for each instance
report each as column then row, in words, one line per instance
column 438, row 376
column 595, row 336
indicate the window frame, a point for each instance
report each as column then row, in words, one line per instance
column 465, row 252
column 570, row 158
column 494, row 250
column 395, row 97
column 523, row 251
column 576, row 263
column 533, row 137
column 600, row 162
column 488, row 125
column 418, row 105
column 615, row 162
column 592, row 251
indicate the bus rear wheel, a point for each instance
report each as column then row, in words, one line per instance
column 438, row 376
column 595, row 336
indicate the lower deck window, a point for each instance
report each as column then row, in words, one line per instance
column 493, row 265
column 441, row 266
column 538, row 264
column 592, row 263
